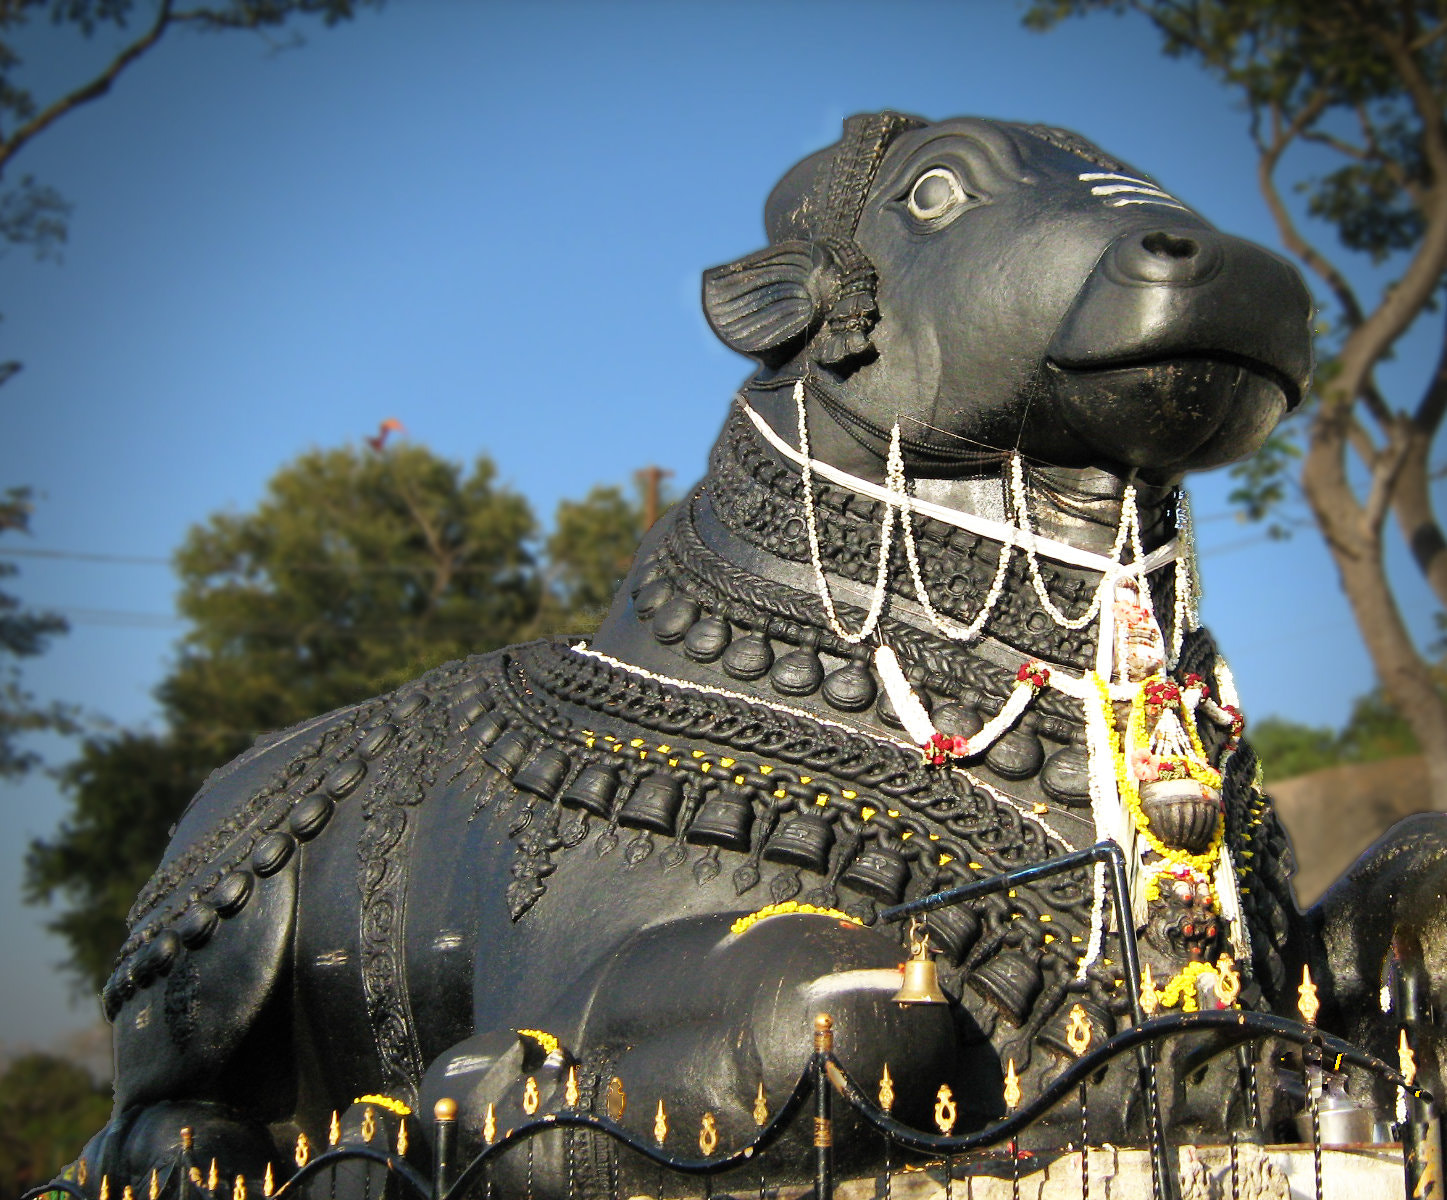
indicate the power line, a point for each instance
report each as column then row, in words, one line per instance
column 138, row 560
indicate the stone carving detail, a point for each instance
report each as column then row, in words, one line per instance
column 634, row 848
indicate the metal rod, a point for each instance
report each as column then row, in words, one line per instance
column 823, row 1109
column 1163, row 1179
column 444, row 1143
column 1422, row 1150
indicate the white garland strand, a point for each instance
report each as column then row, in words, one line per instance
column 907, row 706
column 811, row 523
column 1129, row 528
column 897, row 484
column 1187, row 616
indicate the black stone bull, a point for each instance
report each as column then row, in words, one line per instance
column 605, row 858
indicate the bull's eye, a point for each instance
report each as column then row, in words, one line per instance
column 935, row 193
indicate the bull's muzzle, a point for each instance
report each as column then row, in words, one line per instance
column 1182, row 338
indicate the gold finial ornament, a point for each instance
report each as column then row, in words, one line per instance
column 238, row 1189
column 1406, row 1059
column 213, row 1179
column 708, row 1135
column 886, row 1090
column 1150, row 998
column 153, row 1185
column 105, row 1187
column 129, row 1193
column 81, row 1171
column 660, row 1124
column 445, row 1110
column 268, row 1182
column 1228, row 980
column 946, row 1110
column 761, row 1106
column 1307, row 1004
column 1078, row 1032
column 1012, row 1087
column 615, row 1100
column 188, row 1138
column 402, row 1137
column 921, row 983
column 334, row 1129
column 824, row 1033
column 369, row 1123
column 570, row 1093
column 489, row 1125
column 303, row 1152
column 530, row 1096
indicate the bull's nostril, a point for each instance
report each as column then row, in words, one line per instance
column 1167, row 245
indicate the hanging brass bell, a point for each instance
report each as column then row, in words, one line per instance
column 921, row 981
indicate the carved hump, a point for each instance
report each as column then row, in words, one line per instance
column 764, row 302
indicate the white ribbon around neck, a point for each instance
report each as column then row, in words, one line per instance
column 999, row 531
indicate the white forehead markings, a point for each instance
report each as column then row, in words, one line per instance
column 1127, row 189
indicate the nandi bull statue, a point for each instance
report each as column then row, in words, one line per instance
column 929, row 618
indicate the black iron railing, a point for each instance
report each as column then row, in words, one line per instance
column 825, row 1079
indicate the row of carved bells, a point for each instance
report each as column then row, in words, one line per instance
column 725, row 818
column 1009, row 979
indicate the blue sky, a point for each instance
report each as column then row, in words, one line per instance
column 489, row 220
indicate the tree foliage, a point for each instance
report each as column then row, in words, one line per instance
column 48, row 1108
column 1373, row 731
column 1348, row 108
column 355, row 572
column 35, row 215
column 24, row 633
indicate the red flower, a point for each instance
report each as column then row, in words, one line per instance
column 1238, row 721
column 937, row 749
column 1195, row 681
column 1036, row 674
column 1160, row 692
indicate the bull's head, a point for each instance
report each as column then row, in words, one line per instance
column 1013, row 287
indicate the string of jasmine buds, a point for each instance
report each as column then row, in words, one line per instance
column 1186, row 614
column 1129, row 528
column 896, row 482
column 811, row 524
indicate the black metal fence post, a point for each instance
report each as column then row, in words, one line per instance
column 1422, row 1150
column 823, row 1109
column 444, row 1143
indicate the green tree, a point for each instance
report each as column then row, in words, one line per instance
column 1346, row 101
column 48, row 1108
column 354, row 573
column 589, row 552
column 1287, row 749
column 24, row 633
column 34, row 214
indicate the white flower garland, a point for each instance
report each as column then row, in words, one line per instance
column 811, row 524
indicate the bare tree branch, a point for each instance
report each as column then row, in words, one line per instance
column 1384, row 481
column 1290, row 234
column 1362, row 443
column 93, row 90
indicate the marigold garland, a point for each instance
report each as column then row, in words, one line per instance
column 788, row 906
column 1182, row 989
column 1203, row 862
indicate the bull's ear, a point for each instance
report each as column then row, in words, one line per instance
column 765, row 303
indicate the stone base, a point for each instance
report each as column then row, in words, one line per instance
column 1364, row 1172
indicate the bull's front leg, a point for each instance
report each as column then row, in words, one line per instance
column 1383, row 929
column 709, row 1021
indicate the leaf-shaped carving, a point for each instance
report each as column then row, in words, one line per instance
column 784, row 886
